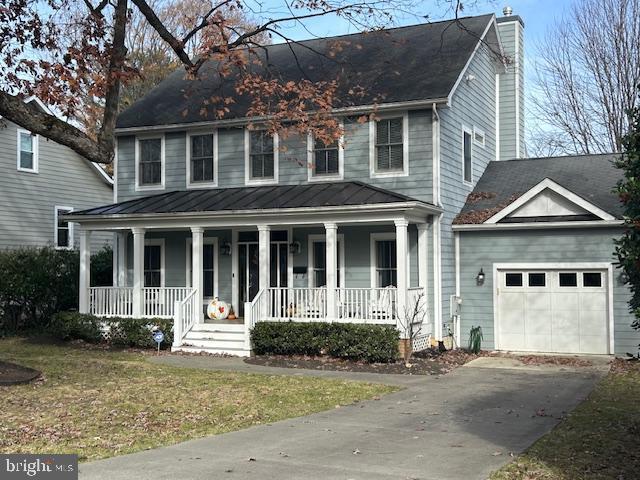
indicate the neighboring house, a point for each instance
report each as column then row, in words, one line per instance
column 214, row 209
column 40, row 181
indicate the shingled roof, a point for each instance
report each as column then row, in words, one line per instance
column 592, row 177
column 330, row 194
column 419, row 62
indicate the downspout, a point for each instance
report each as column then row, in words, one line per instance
column 456, row 310
column 437, row 265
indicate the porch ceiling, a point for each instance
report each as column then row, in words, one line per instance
column 260, row 200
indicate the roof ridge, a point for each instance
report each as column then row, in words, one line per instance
column 557, row 157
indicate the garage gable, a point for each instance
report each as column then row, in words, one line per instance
column 549, row 200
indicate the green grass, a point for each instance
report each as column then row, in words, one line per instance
column 598, row 441
column 100, row 403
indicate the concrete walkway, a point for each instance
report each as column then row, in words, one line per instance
column 459, row 426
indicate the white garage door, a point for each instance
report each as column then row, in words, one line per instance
column 548, row 310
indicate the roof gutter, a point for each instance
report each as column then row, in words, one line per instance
column 280, row 212
column 237, row 122
column 536, row 225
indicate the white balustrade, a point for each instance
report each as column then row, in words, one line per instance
column 111, row 301
column 186, row 315
column 159, row 302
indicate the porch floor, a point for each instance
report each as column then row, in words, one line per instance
column 237, row 321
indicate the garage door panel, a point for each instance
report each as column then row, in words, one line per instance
column 551, row 318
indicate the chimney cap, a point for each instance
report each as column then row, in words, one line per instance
column 507, row 11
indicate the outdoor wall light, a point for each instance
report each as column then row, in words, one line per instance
column 480, row 277
column 294, row 248
column 225, row 248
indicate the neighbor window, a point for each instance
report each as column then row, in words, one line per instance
column 202, row 161
column 261, row 154
column 27, row 151
column 150, row 161
column 325, row 158
column 389, row 147
column 386, row 266
column 153, row 265
column 478, row 137
column 63, row 231
column 466, row 154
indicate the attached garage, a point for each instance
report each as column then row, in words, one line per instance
column 543, row 308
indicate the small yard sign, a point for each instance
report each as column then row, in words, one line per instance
column 158, row 337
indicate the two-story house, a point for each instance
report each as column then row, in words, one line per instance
column 40, row 181
column 292, row 229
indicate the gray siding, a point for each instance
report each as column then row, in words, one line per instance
column 28, row 200
column 512, row 117
column 473, row 106
column 483, row 249
column 293, row 165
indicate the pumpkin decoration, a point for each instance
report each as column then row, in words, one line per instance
column 217, row 309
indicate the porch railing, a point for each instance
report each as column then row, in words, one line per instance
column 254, row 311
column 186, row 314
column 160, row 302
column 300, row 304
column 367, row 305
column 111, row 301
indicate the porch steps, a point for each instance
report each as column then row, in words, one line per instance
column 227, row 339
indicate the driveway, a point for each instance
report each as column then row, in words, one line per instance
column 459, row 426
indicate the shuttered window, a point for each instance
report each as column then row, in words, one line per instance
column 202, row 158
column 150, row 151
column 261, row 154
column 325, row 158
column 389, row 147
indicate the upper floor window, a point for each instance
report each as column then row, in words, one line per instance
column 202, row 158
column 467, row 163
column 262, row 157
column 389, row 145
column 325, row 158
column 150, row 162
column 27, row 151
column 63, row 234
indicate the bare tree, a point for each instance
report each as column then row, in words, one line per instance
column 415, row 313
column 588, row 77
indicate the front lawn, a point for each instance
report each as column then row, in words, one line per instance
column 101, row 403
column 598, row 440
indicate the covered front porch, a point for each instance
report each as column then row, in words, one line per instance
column 361, row 265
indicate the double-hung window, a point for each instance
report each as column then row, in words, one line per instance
column 150, row 159
column 389, row 146
column 262, row 156
column 153, row 265
column 202, row 158
column 27, row 151
column 63, row 235
column 386, row 266
column 319, row 265
column 326, row 158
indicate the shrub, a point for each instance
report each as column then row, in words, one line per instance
column 475, row 339
column 372, row 343
column 74, row 326
column 37, row 282
column 122, row 332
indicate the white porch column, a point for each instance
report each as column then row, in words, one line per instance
column 402, row 253
column 138, row 271
column 122, row 259
column 423, row 256
column 264, row 255
column 331, row 254
column 197, row 252
column 85, row 270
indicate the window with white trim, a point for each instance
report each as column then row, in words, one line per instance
column 261, row 155
column 478, row 137
column 389, row 145
column 201, row 148
column 63, row 232
column 27, row 151
column 326, row 158
column 153, row 265
column 386, row 265
column 150, row 161
column 467, row 161
column 319, row 265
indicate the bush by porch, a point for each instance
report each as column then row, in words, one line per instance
column 101, row 403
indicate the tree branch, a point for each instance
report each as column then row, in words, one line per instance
column 14, row 109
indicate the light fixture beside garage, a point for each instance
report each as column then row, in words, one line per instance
column 480, row 278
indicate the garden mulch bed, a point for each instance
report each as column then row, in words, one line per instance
column 427, row 362
column 12, row 374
